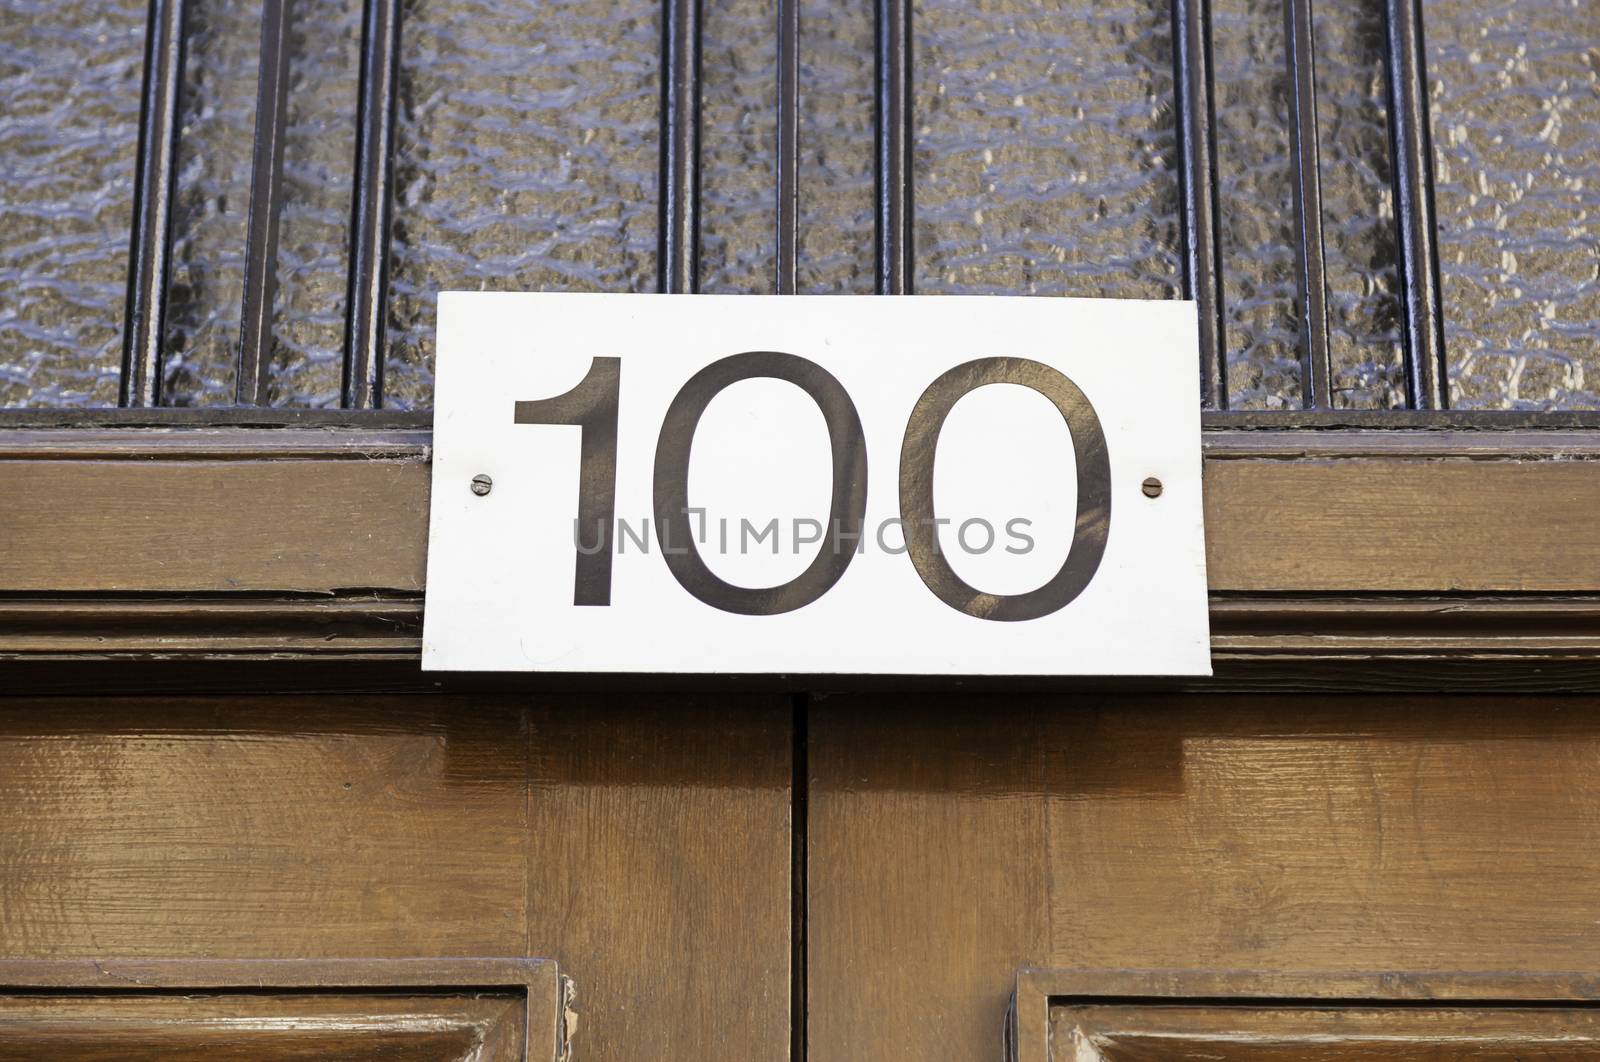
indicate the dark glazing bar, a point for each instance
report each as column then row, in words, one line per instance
column 680, row 148
column 152, row 208
column 1316, row 368
column 1427, row 386
column 369, row 253
column 894, row 147
column 788, row 143
column 1202, row 258
column 266, row 203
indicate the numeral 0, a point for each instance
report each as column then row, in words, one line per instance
column 592, row 405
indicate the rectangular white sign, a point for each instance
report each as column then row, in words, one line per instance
column 816, row 485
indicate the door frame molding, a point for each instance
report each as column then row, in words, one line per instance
column 1339, row 556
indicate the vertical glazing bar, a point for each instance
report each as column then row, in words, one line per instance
column 366, row 304
column 266, row 202
column 788, row 143
column 1202, row 260
column 680, row 147
column 150, row 255
column 894, row 147
column 1316, row 369
column 1427, row 385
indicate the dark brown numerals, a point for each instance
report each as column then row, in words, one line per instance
column 592, row 405
column 848, row 507
column 916, row 489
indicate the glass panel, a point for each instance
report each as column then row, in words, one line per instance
column 1260, row 270
column 319, row 155
column 527, row 159
column 1045, row 148
column 739, row 146
column 211, row 203
column 70, row 74
column 1515, row 96
column 1360, row 239
column 837, row 177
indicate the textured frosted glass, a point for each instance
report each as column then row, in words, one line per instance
column 836, row 252
column 1260, row 274
column 314, row 223
column 212, row 202
column 739, row 146
column 527, row 159
column 69, row 127
column 1045, row 148
column 1515, row 93
column 1360, row 239
column 211, row 205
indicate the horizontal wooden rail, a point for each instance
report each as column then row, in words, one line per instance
column 1330, row 545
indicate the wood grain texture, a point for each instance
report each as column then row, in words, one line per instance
column 1339, row 558
column 262, row 827
column 321, row 510
column 1323, row 1034
column 167, row 525
column 644, row 841
column 660, row 861
column 1100, row 1015
column 284, row 1027
column 1363, row 525
column 481, row 1009
column 954, row 840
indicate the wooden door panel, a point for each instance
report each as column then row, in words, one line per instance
column 512, row 1010
column 1235, row 1034
column 953, row 841
column 1162, row 1016
column 642, row 842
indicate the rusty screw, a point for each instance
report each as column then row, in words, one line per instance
column 1152, row 487
column 482, row 484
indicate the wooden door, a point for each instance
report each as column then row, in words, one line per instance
column 1132, row 872
column 231, row 807
column 641, row 845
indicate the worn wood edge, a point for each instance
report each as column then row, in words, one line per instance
column 1037, row 990
column 365, row 605
column 1484, row 420
column 547, row 1010
column 1058, row 984
column 1395, row 627
column 409, row 436
column 291, row 442
column 159, row 627
column 258, row 418
column 168, row 974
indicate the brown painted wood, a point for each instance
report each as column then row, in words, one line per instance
column 262, row 827
column 320, row 510
column 271, row 1028
column 1320, row 1034
column 1370, row 642
column 953, row 841
column 1393, row 525
column 495, row 1010
column 490, row 1010
column 659, row 844
column 1145, row 1016
column 176, row 525
column 641, row 842
column 1338, row 558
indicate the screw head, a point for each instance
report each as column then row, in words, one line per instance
column 482, row 484
column 1151, row 487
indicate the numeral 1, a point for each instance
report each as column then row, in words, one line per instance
column 592, row 405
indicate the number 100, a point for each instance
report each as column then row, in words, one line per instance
column 592, row 406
